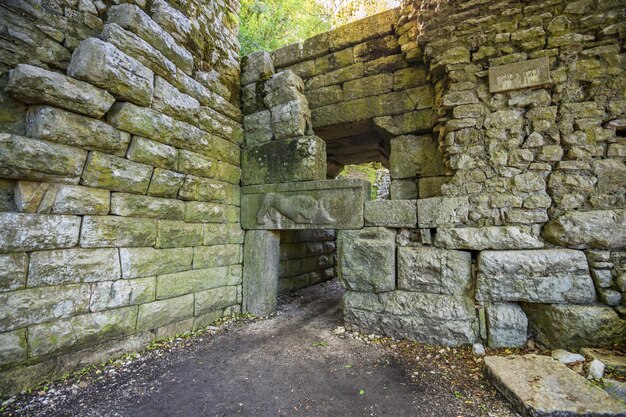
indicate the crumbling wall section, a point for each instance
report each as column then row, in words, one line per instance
column 522, row 232
column 119, row 178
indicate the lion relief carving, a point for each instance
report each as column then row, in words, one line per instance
column 300, row 209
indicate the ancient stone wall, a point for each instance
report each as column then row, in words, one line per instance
column 119, row 178
column 523, row 234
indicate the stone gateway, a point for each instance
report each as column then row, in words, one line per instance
column 152, row 182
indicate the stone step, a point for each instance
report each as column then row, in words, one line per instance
column 612, row 360
column 539, row 386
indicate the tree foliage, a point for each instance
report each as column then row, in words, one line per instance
column 270, row 24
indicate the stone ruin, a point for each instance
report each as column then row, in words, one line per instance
column 149, row 186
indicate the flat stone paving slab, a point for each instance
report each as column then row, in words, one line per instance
column 539, row 386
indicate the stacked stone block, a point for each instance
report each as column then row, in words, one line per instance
column 120, row 167
column 280, row 146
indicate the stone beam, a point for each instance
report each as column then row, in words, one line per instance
column 331, row 204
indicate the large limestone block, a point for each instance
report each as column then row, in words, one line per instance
column 403, row 190
column 202, row 212
column 148, row 123
column 291, row 119
column 282, row 88
column 540, row 386
column 149, row 152
column 205, row 189
column 133, row 45
column 363, row 30
column 72, row 266
column 334, row 204
column 412, row 122
column 143, row 262
column 389, row 104
column 203, row 166
column 367, row 259
column 507, row 325
column 123, row 292
column 432, row 270
column 165, row 183
column 132, row 18
column 390, row 213
column 428, row 318
column 102, row 64
column 174, row 234
column 116, row 174
column 112, row 231
column 169, row 100
column 13, row 347
column 35, row 305
column 490, row 237
column 26, row 232
column 133, row 205
column 206, row 97
column 171, row 19
column 257, row 66
column 218, row 255
column 535, row 276
column 74, row 199
column 575, row 326
column 288, row 160
column 160, row 313
column 442, row 211
column 368, row 86
column 60, row 126
column 33, row 159
column 258, row 128
column 261, row 257
column 599, row 229
column 179, row 283
column 215, row 299
column 13, row 271
column 34, row 85
column 415, row 156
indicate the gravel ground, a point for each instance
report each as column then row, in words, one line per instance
column 299, row 362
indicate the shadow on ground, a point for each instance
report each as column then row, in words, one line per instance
column 289, row 365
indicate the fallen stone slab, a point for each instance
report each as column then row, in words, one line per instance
column 539, row 386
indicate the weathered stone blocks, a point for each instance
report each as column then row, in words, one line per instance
column 60, row 126
column 133, row 205
column 428, row 318
column 172, row 234
column 602, row 229
column 13, row 347
column 26, row 158
column 34, row 85
column 35, row 305
column 575, row 326
column 214, row 299
column 13, row 271
column 507, row 325
column 116, row 174
column 217, row 255
column 291, row 119
column 143, row 262
column 124, row 292
column 367, row 259
column 490, row 237
column 112, row 231
column 26, row 232
column 442, row 211
column 535, row 276
column 390, row 213
column 296, row 159
column 160, row 313
column 132, row 18
column 102, row 64
column 186, row 282
column 256, row 67
column 149, row 152
column 415, row 156
column 433, row 270
column 73, row 265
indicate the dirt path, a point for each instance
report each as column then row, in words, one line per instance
column 289, row 365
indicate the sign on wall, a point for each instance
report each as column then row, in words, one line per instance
column 519, row 75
